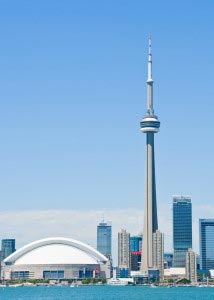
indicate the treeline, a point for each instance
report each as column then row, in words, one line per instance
column 93, row 281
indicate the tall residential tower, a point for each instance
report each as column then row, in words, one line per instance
column 149, row 125
column 123, row 249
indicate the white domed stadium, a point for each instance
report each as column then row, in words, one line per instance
column 55, row 258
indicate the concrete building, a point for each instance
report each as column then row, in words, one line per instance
column 158, row 252
column 182, row 229
column 55, row 258
column 8, row 246
column 149, row 125
column 174, row 273
column 206, row 240
column 123, row 249
column 104, row 238
column 191, row 266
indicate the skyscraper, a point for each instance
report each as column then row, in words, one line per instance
column 206, row 240
column 104, row 238
column 8, row 246
column 136, row 243
column 149, row 125
column 182, row 229
column 135, row 252
column 135, row 260
column 123, row 249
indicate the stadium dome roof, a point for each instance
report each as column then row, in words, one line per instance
column 56, row 250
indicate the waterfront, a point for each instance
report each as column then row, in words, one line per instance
column 106, row 292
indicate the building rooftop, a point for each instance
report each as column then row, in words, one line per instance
column 55, row 251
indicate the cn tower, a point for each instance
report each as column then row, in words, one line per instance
column 149, row 125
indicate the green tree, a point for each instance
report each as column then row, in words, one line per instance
column 184, row 281
column 86, row 281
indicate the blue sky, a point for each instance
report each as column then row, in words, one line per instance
column 73, row 91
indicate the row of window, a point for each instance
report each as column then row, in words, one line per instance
column 52, row 274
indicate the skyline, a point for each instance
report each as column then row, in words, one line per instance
column 66, row 223
column 69, row 118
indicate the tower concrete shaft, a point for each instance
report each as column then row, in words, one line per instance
column 149, row 125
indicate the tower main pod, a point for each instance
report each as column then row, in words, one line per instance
column 149, row 125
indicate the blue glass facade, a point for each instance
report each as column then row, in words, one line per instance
column 85, row 274
column 135, row 243
column 168, row 260
column 182, row 229
column 20, row 275
column 8, row 246
column 206, row 232
column 104, row 238
column 122, row 272
column 53, row 274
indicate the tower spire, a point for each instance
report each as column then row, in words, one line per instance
column 150, row 81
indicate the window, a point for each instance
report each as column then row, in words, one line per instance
column 20, row 275
column 53, row 274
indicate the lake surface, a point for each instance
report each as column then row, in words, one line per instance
column 106, row 293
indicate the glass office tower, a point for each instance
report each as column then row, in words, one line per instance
column 104, row 238
column 136, row 243
column 8, row 246
column 182, row 229
column 206, row 240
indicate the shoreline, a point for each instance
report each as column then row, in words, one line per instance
column 102, row 285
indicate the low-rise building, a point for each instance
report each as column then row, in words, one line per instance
column 174, row 273
column 55, row 258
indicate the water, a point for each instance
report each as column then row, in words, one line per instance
column 106, row 293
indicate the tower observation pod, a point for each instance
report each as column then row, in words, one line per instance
column 149, row 125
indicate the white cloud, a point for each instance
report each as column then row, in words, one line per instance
column 27, row 226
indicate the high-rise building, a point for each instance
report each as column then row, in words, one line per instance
column 158, row 252
column 182, row 229
column 191, row 266
column 149, row 125
column 8, row 246
column 135, row 260
column 104, row 238
column 123, row 249
column 136, row 243
column 206, row 240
